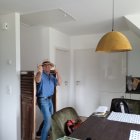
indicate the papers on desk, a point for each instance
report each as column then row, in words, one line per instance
column 100, row 111
column 124, row 117
column 134, row 135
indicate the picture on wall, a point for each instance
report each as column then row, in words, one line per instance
column 132, row 84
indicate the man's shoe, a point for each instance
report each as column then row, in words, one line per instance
column 38, row 134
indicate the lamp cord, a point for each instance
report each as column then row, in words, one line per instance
column 113, row 15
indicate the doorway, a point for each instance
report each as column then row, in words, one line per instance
column 62, row 57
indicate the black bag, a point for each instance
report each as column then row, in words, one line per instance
column 71, row 125
column 116, row 106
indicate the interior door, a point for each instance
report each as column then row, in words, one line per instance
column 86, row 81
column 62, row 58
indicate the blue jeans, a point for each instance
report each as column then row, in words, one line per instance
column 46, row 107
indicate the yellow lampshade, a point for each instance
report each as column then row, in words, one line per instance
column 114, row 42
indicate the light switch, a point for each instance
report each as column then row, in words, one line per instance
column 9, row 89
column 9, row 61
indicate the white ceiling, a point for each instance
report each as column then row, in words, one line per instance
column 73, row 17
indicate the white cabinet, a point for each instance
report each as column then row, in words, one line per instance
column 98, row 77
column 86, row 81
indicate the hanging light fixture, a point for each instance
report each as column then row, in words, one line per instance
column 114, row 41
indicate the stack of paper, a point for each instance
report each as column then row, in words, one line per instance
column 101, row 111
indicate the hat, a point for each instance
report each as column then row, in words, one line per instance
column 47, row 63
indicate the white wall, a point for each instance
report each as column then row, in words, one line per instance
column 57, row 40
column 134, row 56
column 39, row 43
column 112, row 76
column 34, row 46
column 133, row 60
column 10, row 81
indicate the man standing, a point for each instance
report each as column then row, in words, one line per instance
column 46, row 83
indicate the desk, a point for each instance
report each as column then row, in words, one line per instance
column 102, row 129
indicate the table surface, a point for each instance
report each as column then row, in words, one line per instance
column 98, row 128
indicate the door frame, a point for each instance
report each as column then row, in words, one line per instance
column 65, row 50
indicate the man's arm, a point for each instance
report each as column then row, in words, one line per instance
column 58, row 77
column 39, row 74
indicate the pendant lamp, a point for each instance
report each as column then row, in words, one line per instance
column 114, row 41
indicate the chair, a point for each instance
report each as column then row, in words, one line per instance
column 119, row 105
column 132, row 105
column 59, row 119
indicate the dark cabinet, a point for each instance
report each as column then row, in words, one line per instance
column 28, row 105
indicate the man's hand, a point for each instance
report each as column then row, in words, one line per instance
column 39, row 73
column 39, row 68
column 58, row 76
column 55, row 71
